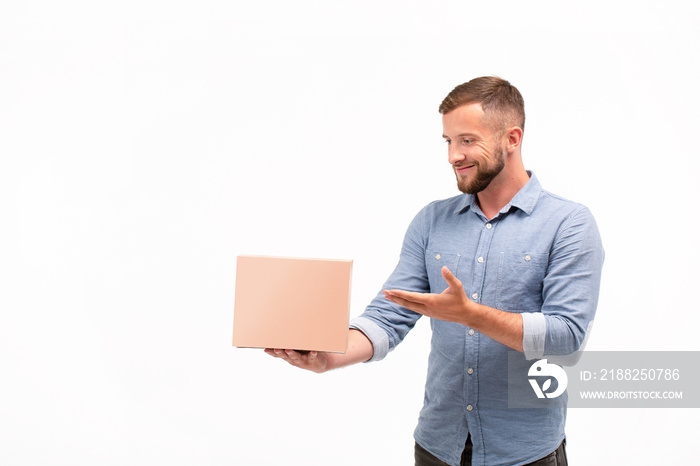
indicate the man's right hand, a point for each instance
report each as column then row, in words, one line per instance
column 359, row 350
column 315, row 361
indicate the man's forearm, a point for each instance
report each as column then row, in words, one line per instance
column 504, row 327
column 360, row 349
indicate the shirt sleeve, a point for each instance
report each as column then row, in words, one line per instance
column 570, row 290
column 385, row 323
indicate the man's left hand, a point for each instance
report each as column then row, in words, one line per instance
column 451, row 305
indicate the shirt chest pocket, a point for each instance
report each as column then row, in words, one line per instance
column 520, row 279
column 435, row 261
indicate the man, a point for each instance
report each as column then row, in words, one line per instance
column 504, row 267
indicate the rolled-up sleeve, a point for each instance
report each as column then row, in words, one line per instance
column 378, row 337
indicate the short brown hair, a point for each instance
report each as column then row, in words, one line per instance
column 501, row 101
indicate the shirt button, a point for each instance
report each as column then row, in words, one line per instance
column 437, row 256
column 488, row 226
column 470, row 407
column 480, row 260
column 471, row 331
column 470, row 371
column 527, row 257
column 475, row 295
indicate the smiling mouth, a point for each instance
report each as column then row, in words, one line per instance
column 463, row 169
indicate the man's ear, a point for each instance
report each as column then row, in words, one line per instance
column 514, row 136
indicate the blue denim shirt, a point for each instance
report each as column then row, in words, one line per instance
column 540, row 256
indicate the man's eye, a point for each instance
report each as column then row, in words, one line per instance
column 467, row 141
column 448, row 142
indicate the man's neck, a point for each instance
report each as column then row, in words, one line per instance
column 501, row 191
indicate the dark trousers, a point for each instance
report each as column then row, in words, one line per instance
column 424, row 458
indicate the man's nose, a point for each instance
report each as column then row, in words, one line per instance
column 454, row 155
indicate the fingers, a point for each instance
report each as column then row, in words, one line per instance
column 403, row 298
column 449, row 277
column 299, row 356
column 406, row 296
column 285, row 354
column 275, row 353
column 313, row 355
column 293, row 357
column 409, row 300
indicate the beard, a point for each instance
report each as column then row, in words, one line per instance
column 483, row 176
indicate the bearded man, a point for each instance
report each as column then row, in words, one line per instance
column 504, row 267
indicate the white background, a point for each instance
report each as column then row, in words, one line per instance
column 145, row 144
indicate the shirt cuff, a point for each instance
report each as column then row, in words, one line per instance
column 534, row 332
column 378, row 337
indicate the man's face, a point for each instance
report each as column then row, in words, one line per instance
column 475, row 151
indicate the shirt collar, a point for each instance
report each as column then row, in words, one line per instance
column 525, row 199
